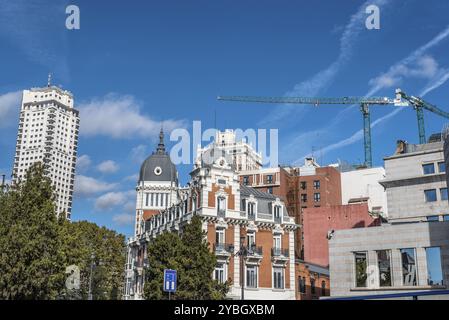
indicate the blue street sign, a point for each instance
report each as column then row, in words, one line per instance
column 170, row 280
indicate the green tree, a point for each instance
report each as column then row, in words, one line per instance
column 36, row 247
column 190, row 255
column 30, row 262
column 83, row 239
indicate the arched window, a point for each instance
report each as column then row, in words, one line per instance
column 323, row 288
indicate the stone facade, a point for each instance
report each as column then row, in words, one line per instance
column 417, row 236
column 410, row 252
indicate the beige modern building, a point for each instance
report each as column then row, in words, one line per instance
column 410, row 253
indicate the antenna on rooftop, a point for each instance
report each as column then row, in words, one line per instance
column 49, row 80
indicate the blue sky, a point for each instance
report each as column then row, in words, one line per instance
column 136, row 63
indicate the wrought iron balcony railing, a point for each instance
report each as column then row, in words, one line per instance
column 279, row 252
column 223, row 247
column 254, row 250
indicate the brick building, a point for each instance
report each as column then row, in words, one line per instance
column 231, row 213
column 319, row 223
column 312, row 281
column 318, row 187
column 281, row 182
column 308, row 186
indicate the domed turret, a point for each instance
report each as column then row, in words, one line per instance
column 159, row 167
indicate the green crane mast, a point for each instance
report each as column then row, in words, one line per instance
column 419, row 104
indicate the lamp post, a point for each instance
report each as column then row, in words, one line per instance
column 242, row 253
column 92, row 257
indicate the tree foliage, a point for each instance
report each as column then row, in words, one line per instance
column 30, row 262
column 190, row 256
column 36, row 248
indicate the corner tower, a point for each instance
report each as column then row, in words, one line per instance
column 157, row 188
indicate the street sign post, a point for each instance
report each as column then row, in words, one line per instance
column 170, row 279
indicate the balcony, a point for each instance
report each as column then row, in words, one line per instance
column 254, row 251
column 279, row 252
column 223, row 249
column 279, row 255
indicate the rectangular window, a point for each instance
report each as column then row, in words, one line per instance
column 443, row 193
column 245, row 180
column 434, row 271
column 446, row 217
column 302, row 284
column 243, row 205
column 251, row 276
column 251, row 240
column 384, row 263
column 220, row 273
column 152, row 199
column 303, row 185
column 360, row 269
column 304, row 197
column 317, row 197
column 428, row 168
column 408, row 267
column 316, row 184
column 251, row 206
column 441, row 167
column 270, row 190
column 147, row 195
column 431, row 195
column 277, row 242
column 432, row 218
column 278, row 278
column 312, row 286
column 221, row 203
column 269, row 179
column 219, row 236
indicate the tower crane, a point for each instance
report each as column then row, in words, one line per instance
column 419, row 104
column 364, row 103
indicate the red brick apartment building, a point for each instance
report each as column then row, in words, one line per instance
column 308, row 186
column 312, row 281
column 319, row 223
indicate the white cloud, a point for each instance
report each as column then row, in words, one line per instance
column 132, row 178
column 83, row 163
column 130, row 206
column 108, row 166
column 10, row 108
column 139, row 153
column 423, row 67
column 123, row 219
column 120, row 116
column 112, row 199
column 88, row 186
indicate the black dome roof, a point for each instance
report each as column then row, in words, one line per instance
column 158, row 166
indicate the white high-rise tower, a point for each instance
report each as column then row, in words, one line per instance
column 48, row 132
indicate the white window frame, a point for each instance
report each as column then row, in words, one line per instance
column 223, row 269
column 282, row 277
column 220, row 234
column 256, row 273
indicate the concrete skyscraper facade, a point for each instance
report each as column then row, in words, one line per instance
column 48, row 133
